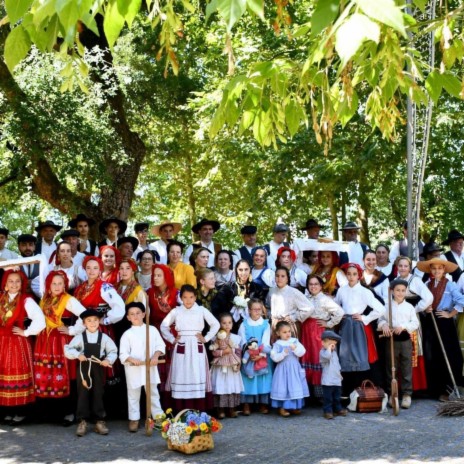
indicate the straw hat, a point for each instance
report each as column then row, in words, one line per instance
column 424, row 266
column 177, row 226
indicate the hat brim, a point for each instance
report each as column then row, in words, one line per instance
column 131, row 240
column 214, row 224
column 104, row 224
column 423, row 254
column 57, row 228
column 449, row 240
column 350, row 228
column 73, row 222
column 177, row 226
column 424, row 266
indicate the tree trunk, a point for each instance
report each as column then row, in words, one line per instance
column 333, row 216
column 363, row 215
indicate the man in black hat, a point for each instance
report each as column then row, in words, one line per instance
column 308, row 258
column 249, row 242
column 26, row 247
column 5, row 253
column 112, row 228
column 400, row 248
column 206, row 228
column 279, row 232
column 82, row 224
column 126, row 246
column 45, row 243
column 356, row 249
column 455, row 241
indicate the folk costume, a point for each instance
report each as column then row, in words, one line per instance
column 289, row 386
column 183, row 274
column 133, row 344
column 189, row 380
column 323, row 308
column 16, row 374
column 53, row 373
column 257, row 388
column 357, row 347
column 112, row 276
column 333, row 278
column 161, row 303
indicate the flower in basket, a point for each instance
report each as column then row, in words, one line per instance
column 182, row 430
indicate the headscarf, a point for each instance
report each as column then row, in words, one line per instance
column 24, row 281
column 48, row 280
column 255, row 249
column 279, row 254
column 347, row 266
column 117, row 253
column 335, row 258
column 131, row 263
column 171, row 291
column 92, row 258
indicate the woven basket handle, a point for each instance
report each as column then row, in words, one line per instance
column 179, row 414
column 367, row 384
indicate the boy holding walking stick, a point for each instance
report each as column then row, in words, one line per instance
column 135, row 353
column 404, row 322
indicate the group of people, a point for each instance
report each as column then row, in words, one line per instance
column 247, row 330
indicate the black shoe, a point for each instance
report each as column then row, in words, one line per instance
column 69, row 420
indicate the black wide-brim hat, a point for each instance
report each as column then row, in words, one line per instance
column 104, row 224
column 69, row 233
column 206, row 222
column 129, row 239
column 311, row 223
column 453, row 235
column 430, row 248
column 42, row 225
column 81, row 218
column 350, row 225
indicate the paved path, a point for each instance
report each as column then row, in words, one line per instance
column 415, row 436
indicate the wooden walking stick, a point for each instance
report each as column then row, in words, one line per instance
column 148, row 428
column 394, row 384
column 455, row 391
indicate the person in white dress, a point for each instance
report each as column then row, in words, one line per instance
column 189, row 379
column 132, row 353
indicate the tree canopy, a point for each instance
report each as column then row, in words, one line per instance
column 248, row 110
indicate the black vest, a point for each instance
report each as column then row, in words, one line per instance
column 245, row 254
column 457, row 273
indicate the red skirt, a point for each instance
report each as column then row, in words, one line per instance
column 372, row 355
column 16, row 378
column 419, row 378
column 52, row 371
column 311, row 340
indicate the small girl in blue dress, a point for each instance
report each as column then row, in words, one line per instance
column 289, row 386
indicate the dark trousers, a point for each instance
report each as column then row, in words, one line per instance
column 90, row 402
column 331, row 397
column 402, row 351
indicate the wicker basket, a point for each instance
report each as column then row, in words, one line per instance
column 197, row 445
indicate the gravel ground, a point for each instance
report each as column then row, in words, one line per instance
column 415, row 436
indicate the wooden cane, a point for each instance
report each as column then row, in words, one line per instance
column 148, row 429
column 394, row 383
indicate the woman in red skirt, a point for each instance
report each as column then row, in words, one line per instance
column 16, row 376
column 53, row 373
column 162, row 298
column 325, row 314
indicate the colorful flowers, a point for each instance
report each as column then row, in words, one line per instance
column 183, row 429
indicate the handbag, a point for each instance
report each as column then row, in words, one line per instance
column 370, row 397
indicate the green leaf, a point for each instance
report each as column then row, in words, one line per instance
column 451, row 84
column 113, row 22
column 68, row 15
column 420, row 4
column 352, row 33
column 229, row 10
column 17, row 46
column 433, row 84
column 16, row 9
column 257, row 7
column 211, row 8
column 294, row 115
column 132, row 9
column 384, row 11
column 325, row 13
